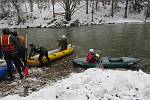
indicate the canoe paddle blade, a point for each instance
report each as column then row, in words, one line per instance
column 26, row 71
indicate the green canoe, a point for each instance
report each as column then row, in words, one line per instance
column 121, row 62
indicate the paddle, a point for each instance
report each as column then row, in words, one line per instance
column 101, row 65
column 100, row 60
column 26, row 66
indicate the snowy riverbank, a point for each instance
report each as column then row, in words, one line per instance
column 95, row 84
column 44, row 17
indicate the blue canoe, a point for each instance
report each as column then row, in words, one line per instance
column 121, row 62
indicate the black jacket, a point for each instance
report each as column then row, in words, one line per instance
column 39, row 50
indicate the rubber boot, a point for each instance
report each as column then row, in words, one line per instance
column 21, row 76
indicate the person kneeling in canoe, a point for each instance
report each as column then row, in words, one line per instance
column 42, row 51
column 91, row 57
column 62, row 43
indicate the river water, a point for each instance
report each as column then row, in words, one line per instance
column 113, row 40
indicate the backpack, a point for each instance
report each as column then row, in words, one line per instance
column 90, row 58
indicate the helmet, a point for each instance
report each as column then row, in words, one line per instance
column 31, row 44
column 63, row 36
column 97, row 55
column 91, row 50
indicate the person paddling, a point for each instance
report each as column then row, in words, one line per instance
column 40, row 50
column 91, row 57
column 63, row 43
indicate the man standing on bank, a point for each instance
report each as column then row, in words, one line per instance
column 9, row 48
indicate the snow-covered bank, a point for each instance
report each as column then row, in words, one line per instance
column 44, row 17
column 95, row 84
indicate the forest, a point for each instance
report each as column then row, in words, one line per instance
column 17, row 12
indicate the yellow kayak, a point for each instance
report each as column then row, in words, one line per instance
column 53, row 56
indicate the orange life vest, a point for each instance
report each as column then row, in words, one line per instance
column 6, row 44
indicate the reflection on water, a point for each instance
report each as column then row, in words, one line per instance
column 113, row 40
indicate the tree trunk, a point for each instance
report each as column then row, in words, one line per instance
column 86, row 6
column 68, row 11
column 69, row 7
column 14, row 2
column 96, row 4
column 92, row 10
column 112, row 8
column 31, row 5
column 68, row 15
column 147, row 12
column 26, row 6
column 53, row 2
column 126, row 9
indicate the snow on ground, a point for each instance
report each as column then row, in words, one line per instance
column 44, row 18
column 95, row 84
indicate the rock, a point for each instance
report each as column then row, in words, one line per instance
column 14, row 83
column 67, row 88
column 51, row 21
column 75, row 23
column 38, row 26
column 33, row 89
column 28, row 26
column 56, row 96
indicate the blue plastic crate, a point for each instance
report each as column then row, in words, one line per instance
column 3, row 69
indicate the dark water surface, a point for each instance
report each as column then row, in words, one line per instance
column 113, row 40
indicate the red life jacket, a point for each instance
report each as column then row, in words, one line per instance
column 91, row 58
column 6, row 44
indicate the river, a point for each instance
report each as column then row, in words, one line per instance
column 112, row 40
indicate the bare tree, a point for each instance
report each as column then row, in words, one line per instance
column 96, row 5
column 147, row 12
column 17, row 7
column 3, row 11
column 69, row 7
column 112, row 8
column 104, row 2
column 126, row 9
column 92, row 10
column 87, row 6
column 31, row 5
column 53, row 3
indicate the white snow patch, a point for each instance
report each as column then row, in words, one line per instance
column 95, row 84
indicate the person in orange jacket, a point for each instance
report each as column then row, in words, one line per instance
column 9, row 48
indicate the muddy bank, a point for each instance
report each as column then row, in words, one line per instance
column 40, row 77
